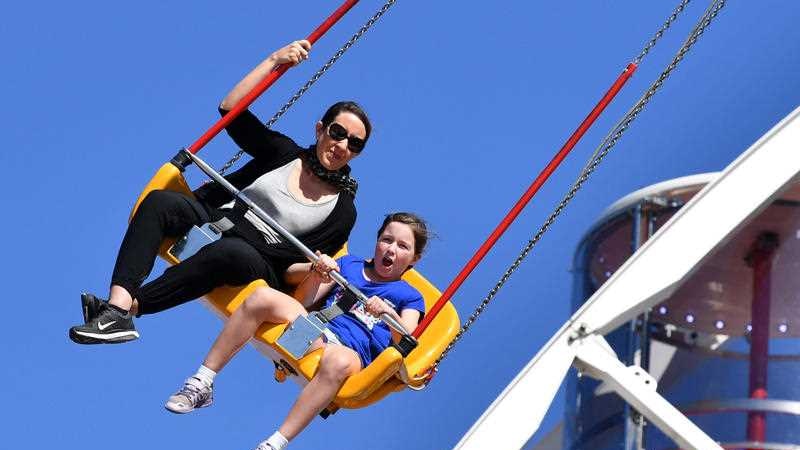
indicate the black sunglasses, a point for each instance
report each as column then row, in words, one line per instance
column 339, row 133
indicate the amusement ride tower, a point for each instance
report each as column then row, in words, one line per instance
column 723, row 346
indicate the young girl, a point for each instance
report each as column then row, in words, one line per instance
column 355, row 338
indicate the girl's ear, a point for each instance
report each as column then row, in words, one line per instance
column 318, row 128
column 415, row 260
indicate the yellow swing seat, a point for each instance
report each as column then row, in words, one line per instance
column 389, row 372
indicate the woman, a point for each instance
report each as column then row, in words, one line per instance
column 307, row 190
column 352, row 339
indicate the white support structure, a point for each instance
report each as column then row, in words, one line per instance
column 746, row 186
column 596, row 359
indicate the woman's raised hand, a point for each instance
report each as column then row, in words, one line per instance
column 293, row 54
column 323, row 266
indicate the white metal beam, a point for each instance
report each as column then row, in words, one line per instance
column 650, row 275
column 596, row 359
column 747, row 185
column 517, row 412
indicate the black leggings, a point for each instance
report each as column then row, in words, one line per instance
column 163, row 214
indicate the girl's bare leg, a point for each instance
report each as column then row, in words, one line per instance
column 338, row 362
column 264, row 305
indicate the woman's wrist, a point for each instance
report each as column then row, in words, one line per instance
column 272, row 59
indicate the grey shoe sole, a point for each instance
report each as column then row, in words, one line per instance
column 177, row 407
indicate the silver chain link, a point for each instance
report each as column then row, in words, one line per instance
column 679, row 9
column 316, row 76
column 600, row 153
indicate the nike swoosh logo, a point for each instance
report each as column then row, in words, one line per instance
column 103, row 326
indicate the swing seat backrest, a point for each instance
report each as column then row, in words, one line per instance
column 389, row 372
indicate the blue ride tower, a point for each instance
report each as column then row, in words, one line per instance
column 724, row 347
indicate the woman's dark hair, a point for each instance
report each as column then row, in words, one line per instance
column 417, row 225
column 351, row 107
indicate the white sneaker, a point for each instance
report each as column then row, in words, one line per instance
column 194, row 394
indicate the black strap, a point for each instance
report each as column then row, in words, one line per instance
column 407, row 342
column 339, row 307
column 221, row 225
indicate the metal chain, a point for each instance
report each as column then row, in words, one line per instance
column 316, row 76
column 709, row 14
column 602, row 150
column 661, row 31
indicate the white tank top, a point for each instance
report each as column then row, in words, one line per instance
column 271, row 193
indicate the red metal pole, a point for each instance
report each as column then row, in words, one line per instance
column 526, row 197
column 760, row 259
column 268, row 81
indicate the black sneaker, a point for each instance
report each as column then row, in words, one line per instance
column 91, row 306
column 109, row 327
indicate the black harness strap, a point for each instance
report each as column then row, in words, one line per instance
column 338, row 308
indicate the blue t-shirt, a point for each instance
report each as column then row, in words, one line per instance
column 357, row 329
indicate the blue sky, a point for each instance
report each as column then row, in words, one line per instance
column 469, row 102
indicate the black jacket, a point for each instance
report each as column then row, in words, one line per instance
column 271, row 150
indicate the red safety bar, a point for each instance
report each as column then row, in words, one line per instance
column 526, row 197
column 268, row 81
